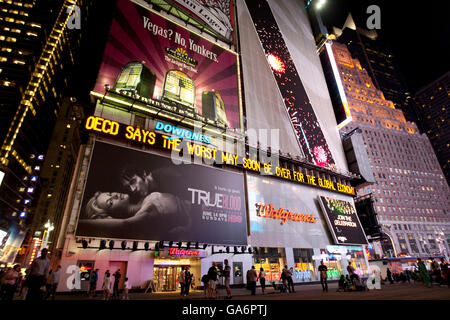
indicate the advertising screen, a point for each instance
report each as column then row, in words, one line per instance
column 10, row 243
column 303, row 118
column 150, row 57
column 284, row 214
column 343, row 221
column 143, row 196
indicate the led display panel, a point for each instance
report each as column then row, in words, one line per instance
column 343, row 221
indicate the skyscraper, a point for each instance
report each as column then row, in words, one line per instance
column 433, row 104
column 411, row 194
column 380, row 62
column 38, row 56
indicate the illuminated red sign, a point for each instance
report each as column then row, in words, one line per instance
column 267, row 211
column 183, row 252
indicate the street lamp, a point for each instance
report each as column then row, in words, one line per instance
column 48, row 228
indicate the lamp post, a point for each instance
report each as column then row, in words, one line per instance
column 48, row 228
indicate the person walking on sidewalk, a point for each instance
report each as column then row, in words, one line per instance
column 93, row 283
column 126, row 287
column 182, row 281
column 227, row 276
column 52, row 281
column 290, row 282
column 187, row 281
column 11, row 279
column 262, row 279
column 212, row 278
column 106, row 286
column 38, row 276
column 251, row 280
column 323, row 276
column 423, row 273
column 117, row 276
column 284, row 276
column 389, row 276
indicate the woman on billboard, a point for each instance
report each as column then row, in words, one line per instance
column 112, row 215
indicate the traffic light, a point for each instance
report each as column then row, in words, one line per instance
column 124, row 245
column 135, row 245
column 84, row 243
column 111, row 244
column 102, row 245
column 146, row 246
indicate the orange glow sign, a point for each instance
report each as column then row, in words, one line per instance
column 267, row 211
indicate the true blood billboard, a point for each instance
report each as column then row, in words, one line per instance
column 143, row 196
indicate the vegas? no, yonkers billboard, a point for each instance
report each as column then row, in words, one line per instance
column 178, row 202
column 153, row 58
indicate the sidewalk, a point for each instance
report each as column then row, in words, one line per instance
column 397, row 291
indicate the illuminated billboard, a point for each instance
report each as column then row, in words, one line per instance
column 284, row 214
column 151, row 58
column 343, row 221
column 301, row 113
column 143, row 196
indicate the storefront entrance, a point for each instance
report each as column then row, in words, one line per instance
column 165, row 278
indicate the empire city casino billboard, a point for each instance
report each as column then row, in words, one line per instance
column 151, row 57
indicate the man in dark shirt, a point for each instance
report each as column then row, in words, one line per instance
column 117, row 276
column 212, row 276
column 323, row 276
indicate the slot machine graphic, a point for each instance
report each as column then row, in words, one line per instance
column 213, row 107
column 179, row 88
column 137, row 79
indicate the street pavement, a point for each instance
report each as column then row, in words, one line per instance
column 396, row 291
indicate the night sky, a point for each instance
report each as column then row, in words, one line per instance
column 417, row 33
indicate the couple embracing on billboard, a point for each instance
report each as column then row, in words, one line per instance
column 145, row 206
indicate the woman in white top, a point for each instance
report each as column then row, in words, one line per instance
column 106, row 286
column 262, row 279
column 125, row 290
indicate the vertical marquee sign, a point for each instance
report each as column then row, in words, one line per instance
column 300, row 111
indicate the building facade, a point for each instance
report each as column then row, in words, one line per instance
column 380, row 63
column 411, row 194
column 433, row 102
column 37, row 61
column 182, row 168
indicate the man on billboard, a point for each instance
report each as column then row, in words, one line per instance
column 114, row 212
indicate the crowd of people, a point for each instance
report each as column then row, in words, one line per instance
column 439, row 273
column 38, row 283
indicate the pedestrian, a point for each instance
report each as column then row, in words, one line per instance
column 408, row 276
column 117, row 276
column 182, row 281
column 125, row 290
column 192, row 281
column 227, row 276
column 262, row 279
column 436, row 271
column 38, row 276
column 341, row 284
column 389, row 276
column 10, row 278
column 444, row 273
column 290, row 282
column 188, row 281
column 350, row 269
column 323, row 276
column 251, row 280
column 52, row 283
column 284, row 276
column 106, row 286
column 423, row 273
column 205, row 281
column 212, row 278
column 93, row 283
